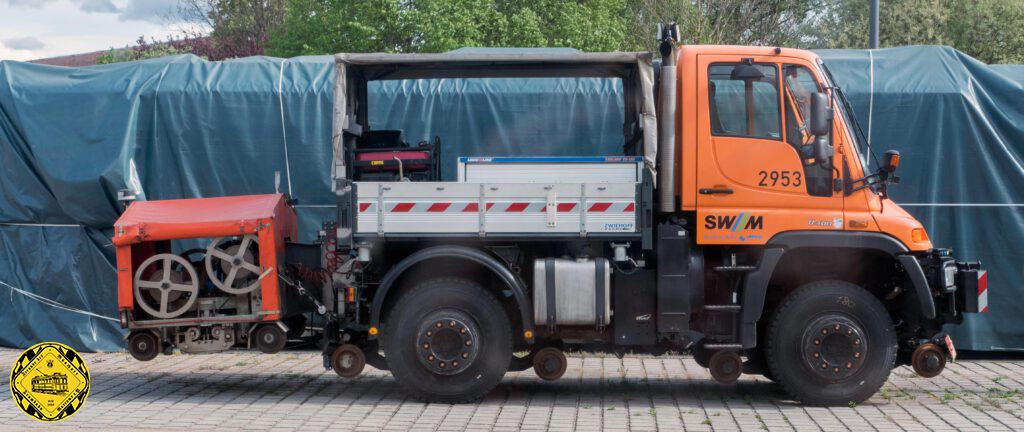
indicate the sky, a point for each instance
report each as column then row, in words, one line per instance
column 33, row 29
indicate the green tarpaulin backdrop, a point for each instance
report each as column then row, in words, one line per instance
column 180, row 127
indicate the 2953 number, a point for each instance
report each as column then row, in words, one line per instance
column 780, row 178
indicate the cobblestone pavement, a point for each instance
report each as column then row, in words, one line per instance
column 291, row 390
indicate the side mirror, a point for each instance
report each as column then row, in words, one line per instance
column 820, row 121
column 891, row 161
column 820, row 125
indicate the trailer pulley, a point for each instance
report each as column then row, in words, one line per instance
column 237, row 272
column 166, row 285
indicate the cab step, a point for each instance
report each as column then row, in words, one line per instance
column 723, row 307
column 722, row 346
column 735, row 268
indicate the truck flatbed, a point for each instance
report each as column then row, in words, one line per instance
column 389, row 209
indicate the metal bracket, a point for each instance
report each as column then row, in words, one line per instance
column 583, row 210
column 481, row 208
column 380, row 210
column 551, row 207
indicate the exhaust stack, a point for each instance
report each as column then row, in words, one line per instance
column 669, row 37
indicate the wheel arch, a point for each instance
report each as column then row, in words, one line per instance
column 476, row 258
column 784, row 263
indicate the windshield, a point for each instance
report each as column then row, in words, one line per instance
column 859, row 141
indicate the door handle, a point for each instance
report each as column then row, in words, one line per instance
column 716, row 191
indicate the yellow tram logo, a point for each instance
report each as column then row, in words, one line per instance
column 50, row 381
column 55, row 384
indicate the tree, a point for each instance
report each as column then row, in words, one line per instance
column 146, row 50
column 231, row 28
column 329, row 26
column 735, row 22
column 989, row 30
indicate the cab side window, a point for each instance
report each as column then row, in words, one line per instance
column 799, row 84
column 744, row 100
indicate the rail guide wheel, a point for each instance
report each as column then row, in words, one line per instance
column 166, row 285
column 549, row 363
column 928, row 360
column 725, row 366
column 232, row 266
column 348, row 361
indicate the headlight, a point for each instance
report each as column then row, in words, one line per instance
column 949, row 274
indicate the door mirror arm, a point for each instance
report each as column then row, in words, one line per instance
column 881, row 179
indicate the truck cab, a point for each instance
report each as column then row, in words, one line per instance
column 747, row 164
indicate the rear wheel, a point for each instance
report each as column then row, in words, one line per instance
column 831, row 343
column 448, row 340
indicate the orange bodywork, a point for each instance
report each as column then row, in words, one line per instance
column 755, row 209
column 147, row 227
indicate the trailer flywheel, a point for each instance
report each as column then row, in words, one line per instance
column 232, row 267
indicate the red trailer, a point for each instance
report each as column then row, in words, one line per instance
column 202, row 300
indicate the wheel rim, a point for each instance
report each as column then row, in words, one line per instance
column 834, row 347
column 447, row 342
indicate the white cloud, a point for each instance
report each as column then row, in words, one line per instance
column 65, row 28
column 154, row 11
column 30, row 4
column 99, row 6
column 27, row 43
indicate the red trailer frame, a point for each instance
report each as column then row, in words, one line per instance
column 147, row 227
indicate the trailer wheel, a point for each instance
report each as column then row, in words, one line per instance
column 270, row 339
column 143, row 345
column 448, row 340
column 831, row 343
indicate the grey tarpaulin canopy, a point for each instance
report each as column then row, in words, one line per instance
column 354, row 71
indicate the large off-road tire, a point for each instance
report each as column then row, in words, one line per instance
column 447, row 340
column 831, row 343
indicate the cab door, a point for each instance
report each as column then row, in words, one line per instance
column 755, row 174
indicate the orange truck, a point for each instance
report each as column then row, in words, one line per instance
column 741, row 223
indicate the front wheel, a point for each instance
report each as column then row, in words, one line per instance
column 448, row 340
column 831, row 343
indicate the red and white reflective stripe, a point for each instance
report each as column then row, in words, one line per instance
column 610, row 207
column 500, row 207
column 982, row 291
column 562, row 207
